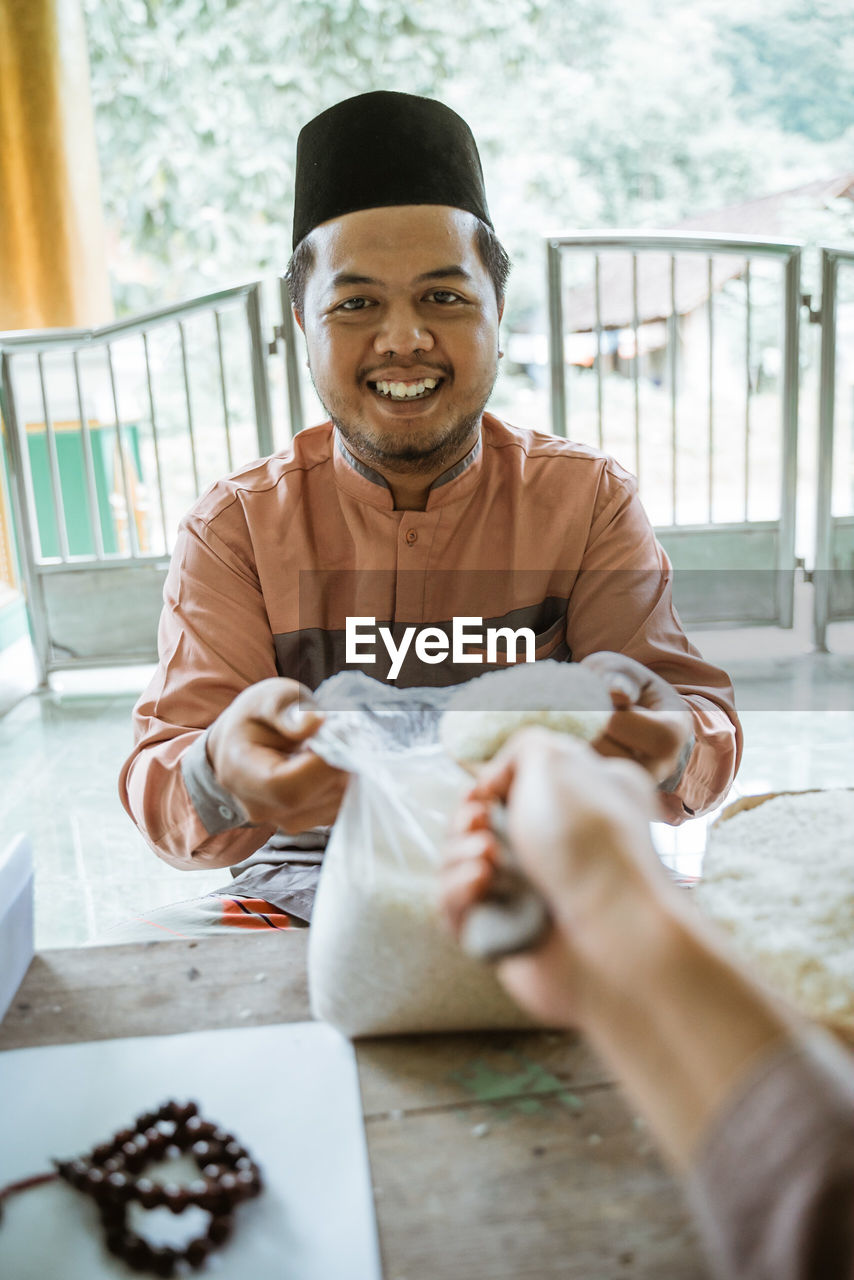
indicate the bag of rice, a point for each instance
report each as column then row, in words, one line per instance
column 482, row 713
column 380, row 961
column 778, row 878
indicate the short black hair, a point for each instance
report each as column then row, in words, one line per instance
column 493, row 255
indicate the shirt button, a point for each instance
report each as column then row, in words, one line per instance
column 411, row 536
column 225, row 812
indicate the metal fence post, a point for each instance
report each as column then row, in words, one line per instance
column 292, row 374
column 556, row 354
column 791, row 381
column 23, row 515
column 824, row 470
column 260, row 383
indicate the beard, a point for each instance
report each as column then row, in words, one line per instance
column 401, row 450
column 407, row 456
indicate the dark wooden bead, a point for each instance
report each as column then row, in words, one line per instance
column 212, row 1170
column 112, row 1165
column 212, row 1200
column 220, row 1228
column 78, row 1171
column 146, row 1120
column 95, row 1179
column 117, row 1241
column 197, row 1251
column 232, row 1152
column 196, row 1188
column 201, row 1150
column 183, row 1111
column 175, row 1198
column 112, row 1214
column 137, row 1254
column 103, row 1151
column 248, row 1182
column 156, row 1142
column 162, row 1260
column 119, row 1187
column 149, row 1193
column 200, row 1128
column 122, row 1136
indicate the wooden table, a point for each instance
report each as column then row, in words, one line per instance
column 493, row 1157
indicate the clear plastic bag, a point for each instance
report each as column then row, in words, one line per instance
column 380, row 960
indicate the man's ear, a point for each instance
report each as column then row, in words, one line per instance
column 298, row 319
column 500, row 311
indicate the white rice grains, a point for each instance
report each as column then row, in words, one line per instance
column 779, row 879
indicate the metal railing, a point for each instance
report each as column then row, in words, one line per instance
column 766, row 546
column 833, row 575
column 123, row 580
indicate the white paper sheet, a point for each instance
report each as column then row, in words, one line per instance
column 289, row 1093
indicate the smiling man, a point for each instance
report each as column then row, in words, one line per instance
column 412, row 507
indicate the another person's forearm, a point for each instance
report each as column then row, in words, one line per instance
column 673, row 1017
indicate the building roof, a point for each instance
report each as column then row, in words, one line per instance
column 768, row 217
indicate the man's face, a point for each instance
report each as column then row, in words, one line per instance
column 401, row 324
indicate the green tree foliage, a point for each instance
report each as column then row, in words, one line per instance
column 598, row 112
column 794, row 63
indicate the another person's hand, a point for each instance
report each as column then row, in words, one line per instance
column 257, row 752
column 651, row 723
column 579, row 826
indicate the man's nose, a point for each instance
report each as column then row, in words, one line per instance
column 402, row 331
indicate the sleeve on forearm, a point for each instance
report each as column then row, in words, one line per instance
column 218, row 809
column 214, row 640
column 773, row 1182
column 622, row 600
column 712, row 762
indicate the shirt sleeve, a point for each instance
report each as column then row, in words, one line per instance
column 214, row 640
column 772, row 1186
column 622, row 601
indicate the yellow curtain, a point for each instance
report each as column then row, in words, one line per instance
column 53, row 271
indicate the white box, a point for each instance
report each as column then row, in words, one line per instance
column 16, row 917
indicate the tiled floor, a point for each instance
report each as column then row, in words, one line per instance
column 60, row 753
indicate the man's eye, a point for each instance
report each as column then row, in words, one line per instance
column 353, row 304
column 444, row 296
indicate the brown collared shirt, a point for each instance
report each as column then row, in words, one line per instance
column 528, row 530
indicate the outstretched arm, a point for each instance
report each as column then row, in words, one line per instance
column 757, row 1110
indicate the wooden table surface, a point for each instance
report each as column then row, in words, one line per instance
column 493, row 1157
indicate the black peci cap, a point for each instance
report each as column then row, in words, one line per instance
column 382, row 149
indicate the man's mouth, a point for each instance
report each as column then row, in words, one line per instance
column 418, row 390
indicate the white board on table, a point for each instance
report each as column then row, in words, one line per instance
column 289, row 1093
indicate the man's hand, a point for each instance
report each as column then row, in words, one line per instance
column 256, row 751
column 651, row 722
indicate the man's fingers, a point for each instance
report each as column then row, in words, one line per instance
column 624, row 686
column 654, row 738
column 296, row 715
column 294, row 791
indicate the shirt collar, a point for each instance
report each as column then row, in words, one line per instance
column 382, row 495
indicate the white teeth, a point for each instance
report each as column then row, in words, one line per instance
column 406, row 391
